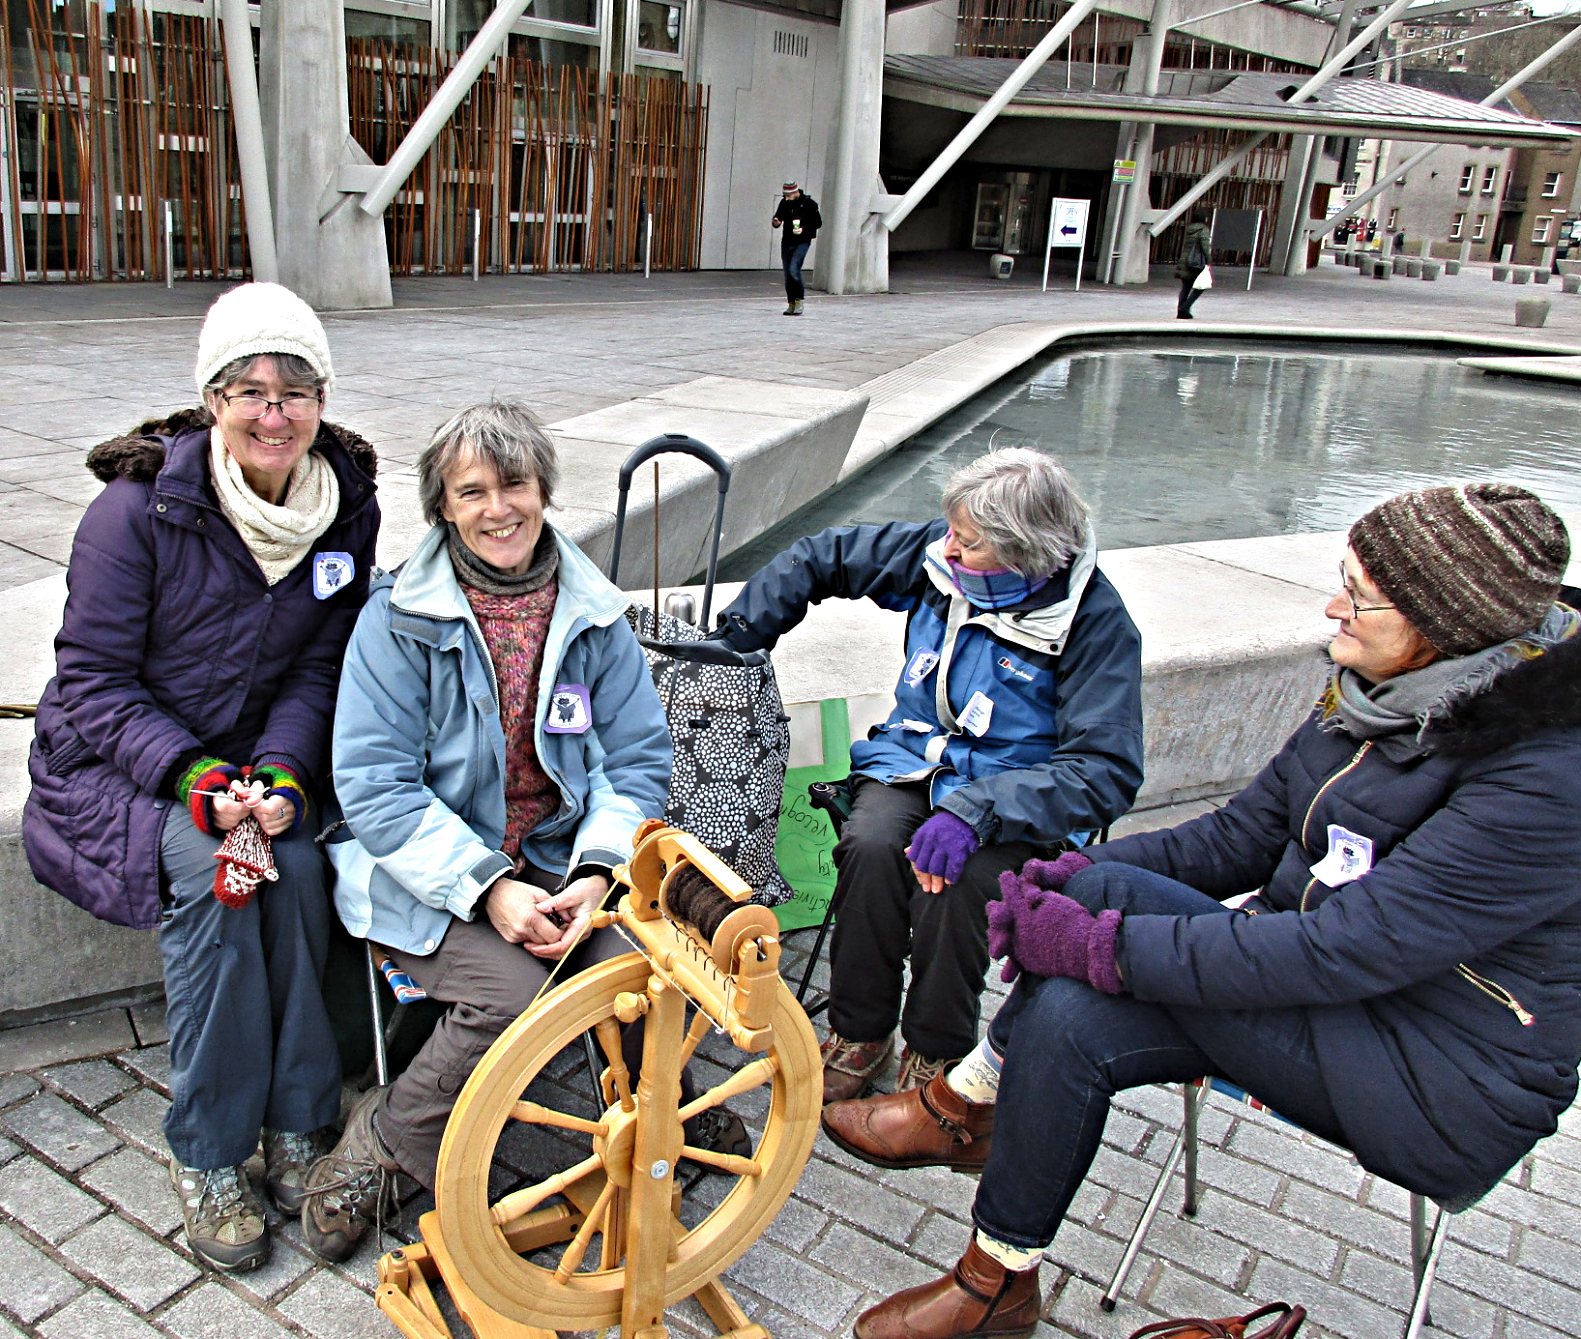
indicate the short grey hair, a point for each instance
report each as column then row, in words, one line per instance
column 291, row 368
column 1025, row 505
column 502, row 433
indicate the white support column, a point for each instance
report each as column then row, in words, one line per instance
column 1142, row 77
column 852, row 252
column 1293, row 197
column 330, row 252
column 248, row 119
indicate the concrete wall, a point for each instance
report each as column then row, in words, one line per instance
column 770, row 116
column 925, row 30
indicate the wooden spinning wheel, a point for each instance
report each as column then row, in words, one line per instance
column 627, row 1253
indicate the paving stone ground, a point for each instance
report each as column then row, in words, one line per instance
column 90, row 1239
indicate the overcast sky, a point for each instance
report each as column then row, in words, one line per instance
column 1553, row 6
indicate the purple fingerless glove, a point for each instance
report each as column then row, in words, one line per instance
column 1055, row 874
column 943, row 845
column 1049, row 934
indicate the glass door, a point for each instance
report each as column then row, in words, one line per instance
column 988, row 223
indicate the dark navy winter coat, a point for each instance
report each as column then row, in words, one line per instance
column 1056, row 750
column 173, row 641
column 1445, row 985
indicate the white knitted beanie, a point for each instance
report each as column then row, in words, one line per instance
column 261, row 318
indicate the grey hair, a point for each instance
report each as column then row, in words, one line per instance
column 504, row 434
column 1024, row 505
column 291, row 368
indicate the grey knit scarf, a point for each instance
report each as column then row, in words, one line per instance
column 1410, row 703
column 472, row 571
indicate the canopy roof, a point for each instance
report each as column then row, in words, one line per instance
column 1217, row 98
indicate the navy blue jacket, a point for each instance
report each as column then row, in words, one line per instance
column 1445, row 985
column 173, row 641
column 1058, row 750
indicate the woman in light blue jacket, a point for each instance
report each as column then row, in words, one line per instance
column 497, row 741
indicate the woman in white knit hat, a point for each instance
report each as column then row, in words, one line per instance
column 180, row 746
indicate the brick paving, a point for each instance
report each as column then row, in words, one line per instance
column 90, row 1239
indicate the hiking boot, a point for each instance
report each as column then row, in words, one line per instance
column 976, row 1299
column 287, row 1157
column 917, row 1070
column 849, row 1066
column 719, row 1131
column 796, row 307
column 224, row 1220
column 345, row 1189
column 790, row 309
column 933, row 1126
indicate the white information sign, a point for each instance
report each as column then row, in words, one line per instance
column 1067, row 227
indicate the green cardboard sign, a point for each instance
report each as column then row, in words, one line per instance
column 804, row 844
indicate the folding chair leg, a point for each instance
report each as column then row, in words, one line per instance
column 812, row 958
column 1424, row 1264
column 381, row 1062
column 1194, row 1098
column 594, row 1069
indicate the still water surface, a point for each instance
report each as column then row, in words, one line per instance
column 1175, row 444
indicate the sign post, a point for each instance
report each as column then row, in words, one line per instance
column 1067, row 227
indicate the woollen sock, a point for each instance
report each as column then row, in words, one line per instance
column 976, row 1078
column 1017, row 1259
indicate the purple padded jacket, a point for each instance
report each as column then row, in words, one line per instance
column 173, row 641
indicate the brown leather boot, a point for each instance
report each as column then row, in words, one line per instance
column 931, row 1126
column 979, row 1297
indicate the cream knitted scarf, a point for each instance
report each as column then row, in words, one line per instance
column 278, row 537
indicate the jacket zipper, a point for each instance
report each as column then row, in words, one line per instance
column 1495, row 991
column 1306, row 820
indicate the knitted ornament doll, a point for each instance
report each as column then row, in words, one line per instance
column 245, row 856
column 246, row 859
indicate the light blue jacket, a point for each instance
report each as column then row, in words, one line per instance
column 420, row 753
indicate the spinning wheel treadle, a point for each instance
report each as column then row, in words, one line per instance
column 627, row 1253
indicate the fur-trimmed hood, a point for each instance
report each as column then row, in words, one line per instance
column 140, row 454
column 1543, row 693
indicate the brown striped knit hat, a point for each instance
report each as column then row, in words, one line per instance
column 1469, row 566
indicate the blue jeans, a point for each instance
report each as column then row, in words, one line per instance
column 250, row 1039
column 792, row 258
column 1069, row 1048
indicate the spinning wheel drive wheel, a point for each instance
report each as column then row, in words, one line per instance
column 616, row 1212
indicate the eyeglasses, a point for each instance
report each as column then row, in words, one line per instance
column 1350, row 594
column 295, row 407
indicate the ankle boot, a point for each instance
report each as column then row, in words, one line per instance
column 931, row 1126
column 979, row 1297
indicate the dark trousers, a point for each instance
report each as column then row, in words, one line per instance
column 1188, row 295
column 792, row 258
column 250, row 1040
column 1068, row 1049
column 883, row 916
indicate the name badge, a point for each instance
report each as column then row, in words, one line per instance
column 979, row 712
column 922, row 663
column 570, row 710
column 1349, row 857
column 332, row 572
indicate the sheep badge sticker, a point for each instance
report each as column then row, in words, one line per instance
column 332, row 572
column 570, row 710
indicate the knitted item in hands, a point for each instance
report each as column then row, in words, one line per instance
column 1049, row 934
column 198, row 786
column 943, row 845
column 1055, row 874
column 246, row 859
column 280, row 781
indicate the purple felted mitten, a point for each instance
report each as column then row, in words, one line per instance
column 943, row 845
column 1054, row 935
column 1055, row 874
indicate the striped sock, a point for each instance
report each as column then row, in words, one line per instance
column 1018, row 1259
column 976, row 1078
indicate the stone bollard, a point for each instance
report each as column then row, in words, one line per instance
column 1541, row 274
column 1572, row 283
column 1532, row 311
column 1451, row 267
column 1570, row 267
column 1431, row 269
column 1413, row 269
column 1500, row 273
column 1521, row 274
column 1381, row 269
column 1399, row 264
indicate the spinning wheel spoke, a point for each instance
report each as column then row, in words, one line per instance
column 596, row 1221
column 523, row 1201
column 744, row 1080
column 609, row 1038
column 535, row 1114
column 725, row 1162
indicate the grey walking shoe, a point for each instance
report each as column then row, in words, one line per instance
column 224, row 1220
column 918, row 1070
column 796, row 307
column 345, row 1189
column 287, row 1158
column 790, row 308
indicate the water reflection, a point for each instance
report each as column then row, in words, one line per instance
column 1176, row 444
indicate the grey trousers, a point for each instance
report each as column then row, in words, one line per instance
column 488, row 982
column 250, row 1040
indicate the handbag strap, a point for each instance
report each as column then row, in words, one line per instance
column 1289, row 1320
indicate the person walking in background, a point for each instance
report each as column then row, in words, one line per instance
column 1193, row 261
column 798, row 215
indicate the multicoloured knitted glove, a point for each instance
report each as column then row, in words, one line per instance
column 943, row 845
column 246, row 859
column 280, row 780
column 198, row 786
column 1049, row 934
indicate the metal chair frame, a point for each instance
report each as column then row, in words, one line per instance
column 1427, row 1245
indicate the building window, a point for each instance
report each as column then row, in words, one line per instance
column 1540, row 229
column 1551, row 184
column 1394, row 219
column 659, row 27
column 1490, row 178
column 1457, row 228
column 1468, row 178
column 1481, row 233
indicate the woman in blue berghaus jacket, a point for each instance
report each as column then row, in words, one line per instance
column 1017, row 725
column 1380, row 937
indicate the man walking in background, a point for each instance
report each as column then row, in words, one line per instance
column 798, row 215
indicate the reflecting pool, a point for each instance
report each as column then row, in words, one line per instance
column 1171, row 444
